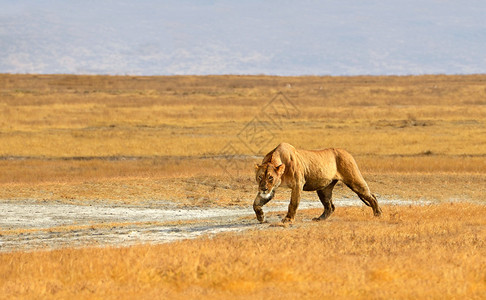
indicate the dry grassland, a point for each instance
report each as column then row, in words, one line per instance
column 72, row 116
column 429, row 252
column 133, row 139
column 65, row 137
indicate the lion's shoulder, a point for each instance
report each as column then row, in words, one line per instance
column 285, row 147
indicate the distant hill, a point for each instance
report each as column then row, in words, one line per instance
column 243, row 37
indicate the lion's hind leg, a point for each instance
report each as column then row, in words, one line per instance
column 363, row 192
column 351, row 176
column 325, row 195
column 371, row 199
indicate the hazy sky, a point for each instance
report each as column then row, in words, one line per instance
column 347, row 37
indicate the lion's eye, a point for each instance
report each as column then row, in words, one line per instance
column 270, row 178
column 260, row 178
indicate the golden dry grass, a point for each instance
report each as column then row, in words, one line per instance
column 66, row 116
column 65, row 136
column 192, row 182
column 429, row 252
column 131, row 139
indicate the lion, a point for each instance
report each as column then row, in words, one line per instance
column 309, row 170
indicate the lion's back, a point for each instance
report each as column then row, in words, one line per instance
column 331, row 162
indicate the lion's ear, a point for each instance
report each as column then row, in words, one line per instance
column 280, row 169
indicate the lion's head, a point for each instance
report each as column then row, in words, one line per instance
column 268, row 178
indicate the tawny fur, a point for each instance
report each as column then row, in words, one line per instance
column 309, row 170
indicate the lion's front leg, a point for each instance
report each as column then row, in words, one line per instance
column 294, row 204
column 258, row 207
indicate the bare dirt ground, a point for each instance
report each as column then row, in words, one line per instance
column 33, row 225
